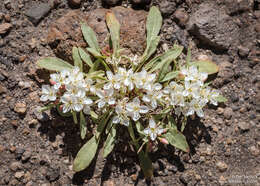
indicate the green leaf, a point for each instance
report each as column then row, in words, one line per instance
column 153, row 24
column 90, row 37
column 83, row 127
column 139, row 127
column 152, row 47
column 94, row 52
column 74, row 115
column 76, row 58
column 206, row 66
column 221, row 99
column 93, row 115
column 170, row 76
column 149, row 51
column 54, row 63
column 170, row 55
column 86, row 155
column 163, row 71
column 177, row 139
column 172, row 123
column 110, row 141
column 145, row 161
column 48, row 107
column 188, row 58
column 102, row 124
column 114, row 28
column 85, row 57
column 146, row 164
column 95, row 66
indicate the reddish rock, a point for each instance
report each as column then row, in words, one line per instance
column 66, row 33
column 5, row 27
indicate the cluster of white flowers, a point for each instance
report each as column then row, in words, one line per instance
column 191, row 95
column 131, row 94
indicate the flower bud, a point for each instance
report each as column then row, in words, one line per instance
column 52, row 82
column 164, row 141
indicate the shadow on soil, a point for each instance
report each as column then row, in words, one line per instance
column 123, row 159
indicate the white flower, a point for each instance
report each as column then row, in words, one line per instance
column 152, row 96
column 135, row 59
column 213, row 97
column 68, row 102
column 153, row 131
column 87, row 84
column 113, row 81
column 121, row 112
column 191, row 89
column 105, row 97
column 76, row 77
column 134, row 109
column 192, row 74
column 48, row 93
column 195, row 106
column 177, row 99
column 144, row 80
column 127, row 77
column 121, row 119
column 172, row 88
column 113, row 60
column 82, row 102
column 60, row 78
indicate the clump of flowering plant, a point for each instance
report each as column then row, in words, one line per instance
column 145, row 96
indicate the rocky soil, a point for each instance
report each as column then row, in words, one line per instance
column 39, row 148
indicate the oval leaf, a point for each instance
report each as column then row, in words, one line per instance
column 110, row 142
column 206, row 66
column 170, row 76
column 76, row 58
column 85, row 155
column 177, row 139
column 90, row 36
column 146, row 164
column 85, row 57
column 54, row 63
column 83, row 127
column 114, row 28
column 153, row 24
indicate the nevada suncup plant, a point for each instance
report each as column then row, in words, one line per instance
column 144, row 96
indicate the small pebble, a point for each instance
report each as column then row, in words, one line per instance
column 244, row 126
column 228, row 112
column 254, row 151
column 222, row 166
column 20, row 108
column 19, row 175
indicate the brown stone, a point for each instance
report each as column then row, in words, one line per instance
column 12, row 149
column 66, row 33
column 222, row 166
column 181, row 16
column 22, row 58
column 254, row 151
column 2, row 148
column 109, row 183
column 74, row 3
column 2, row 89
column 20, row 108
column 5, row 27
column 14, row 123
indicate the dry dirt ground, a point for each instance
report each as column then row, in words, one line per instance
column 38, row 149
